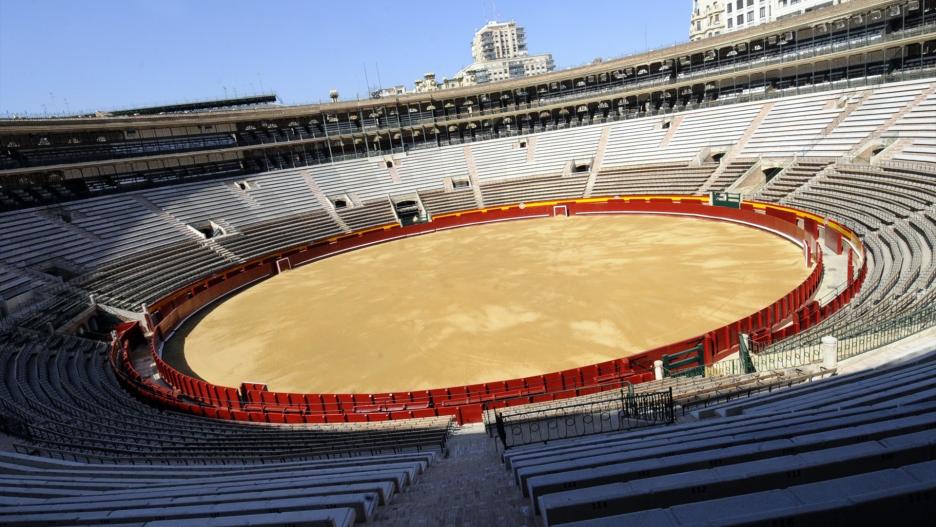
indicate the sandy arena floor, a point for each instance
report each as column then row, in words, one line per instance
column 487, row 303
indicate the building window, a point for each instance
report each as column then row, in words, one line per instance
column 750, row 16
column 763, row 12
column 730, row 23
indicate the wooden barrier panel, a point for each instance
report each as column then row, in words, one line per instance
column 254, row 402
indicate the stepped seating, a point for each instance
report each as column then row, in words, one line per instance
column 718, row 126
column 198, row 202
column 548, row 420
column 282, row 193
column 732, row 172
column 850, row 499
column 30, row 239
column 441, row 202
column 261, row 238
column 149, row 275
column 366, row 178
column 545, row 154
column 534, row 189
column 656, row 179
column 122, row 461
column 818, row 434
column 790, row 178
column 14, row 283
column 635, row 142
column 56, row 309
column 65, row 390
column 640, row 141
column 372, row 214
column 922, row 150
column 429, row 168
column 917, row 127
column 875, row 111
column 123, row 227
column 793, row 125
column 900, row 255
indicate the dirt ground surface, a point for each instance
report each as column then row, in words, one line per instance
column 489, row 302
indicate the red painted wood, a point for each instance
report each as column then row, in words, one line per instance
column 463, row 401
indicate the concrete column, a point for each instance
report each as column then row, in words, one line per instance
column 829, row 351
column 658, row 370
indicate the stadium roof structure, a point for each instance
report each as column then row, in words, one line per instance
column 211, row 104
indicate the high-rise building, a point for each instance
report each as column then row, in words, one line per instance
column 708, row 19
column 499, row 52
column 498, row 40
column 713, row 17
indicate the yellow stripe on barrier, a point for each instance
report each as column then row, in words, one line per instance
column 834, row 225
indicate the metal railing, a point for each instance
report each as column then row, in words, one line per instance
column 626, row 412
column 855, row 337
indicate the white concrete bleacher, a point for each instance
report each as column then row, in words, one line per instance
column 818, row 434
column 884, row 103
column 427, row 169
column 634, row 142
column 148, row 275
column 122, row 461
column 544, row 154
column 795, row 124
column 441, row 202
column 365, row 179
column 640, row 141
column 919, row 127
column 343, row 490
column 663, row 178
column 194, row 203
column 261, row 238
column 531, row 189
column 30, row 239
column 920, row 150
column 123, row 225
column 722, row 126
column 374, row 214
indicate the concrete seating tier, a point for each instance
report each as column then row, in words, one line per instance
column 732, row 172
column 830, row 444
column 66, row 391
column 441, row 202
column 790, row 178
column 147, row 276
column 372, row 214
column 676, row 178
column 534, row 189
column 885, row 102
column 262, row 238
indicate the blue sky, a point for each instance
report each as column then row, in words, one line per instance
column 79, row 55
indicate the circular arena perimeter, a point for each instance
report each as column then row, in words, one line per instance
column 488, row 302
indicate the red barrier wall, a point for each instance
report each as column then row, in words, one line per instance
column 793, row 312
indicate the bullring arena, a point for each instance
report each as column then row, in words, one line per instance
column 467, row 306
column 692, row 286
